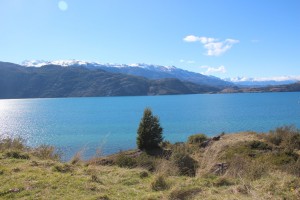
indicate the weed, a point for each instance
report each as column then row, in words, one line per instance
column 77, row 158
column 46, row 152
column 144, row 174
column 103, row 197
column 95, row 178
column 12, row 144
column 63, row 168
column 183, row 193
column 223, row 181
column 159, row 184
column 16, row 155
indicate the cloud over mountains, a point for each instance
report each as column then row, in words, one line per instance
column 213, row 46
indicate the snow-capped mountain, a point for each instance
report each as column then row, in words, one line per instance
column 72, row 63
column 145, row 70
column 260, row 82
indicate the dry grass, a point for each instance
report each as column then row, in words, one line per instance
column 41, row 177
column 213, row 153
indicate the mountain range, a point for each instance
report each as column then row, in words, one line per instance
column 148, row 71
column 18, row 81
column 39, row 79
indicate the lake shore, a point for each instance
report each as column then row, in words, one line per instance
column 232, row 166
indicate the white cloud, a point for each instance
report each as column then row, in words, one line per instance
column 275, row 78
column 191, row 38
column 214, row 46
column 212, row 70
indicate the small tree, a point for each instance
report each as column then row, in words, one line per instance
column 149, row 131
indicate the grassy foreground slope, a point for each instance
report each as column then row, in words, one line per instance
column 232, row 166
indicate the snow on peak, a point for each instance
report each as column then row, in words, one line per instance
column 34, row 63
column 64, row 63
column 67, row 63
column 152, row 67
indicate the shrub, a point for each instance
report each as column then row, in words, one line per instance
column 294, row 168
column 95, row 178
column 165, row 144
column 145, row 161
column 186, row 164
column 197, row 139
column 166, row 167
column 240, row 166
column 259, row 145
column 149, row 131
column 16, row 155
column 77, row 158
column 144, row 174
column 12, row 144
column 123, row 160
column 46, row 152
column 287, row 137
column 283, row 158
column 159, row 184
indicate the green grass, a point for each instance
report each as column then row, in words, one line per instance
column 257, row 169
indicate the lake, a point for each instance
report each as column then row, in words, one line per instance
column 109, row 124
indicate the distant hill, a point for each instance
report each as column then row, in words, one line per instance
column 17, row 81
column 294, row 87
column 144, row 70
column 262, row 82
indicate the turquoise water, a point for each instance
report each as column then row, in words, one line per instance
column 110, row 123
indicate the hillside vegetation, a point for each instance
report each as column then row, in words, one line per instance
column 244, row 165
column 56, row 81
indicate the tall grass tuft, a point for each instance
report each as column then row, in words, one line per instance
column 12, row 144
column 46, row 152
column 159, row 183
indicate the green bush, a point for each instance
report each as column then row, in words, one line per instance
column 197, row 139
column 185, row 164
column 123, row 160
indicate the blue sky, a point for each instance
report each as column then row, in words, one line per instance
column 224, row 38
